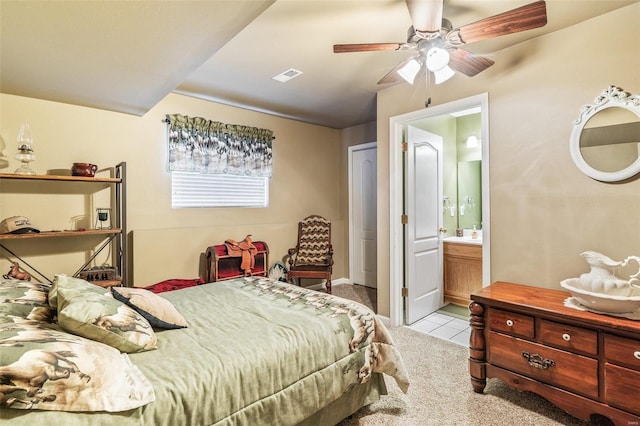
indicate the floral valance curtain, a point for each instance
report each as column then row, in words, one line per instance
column 200, row 145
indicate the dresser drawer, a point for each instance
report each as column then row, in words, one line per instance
column 621, row 388
column 510, row 323
column 622, row 351
column 569, row 371
column 568, row 337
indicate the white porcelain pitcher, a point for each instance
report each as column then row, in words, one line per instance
column 602, row 276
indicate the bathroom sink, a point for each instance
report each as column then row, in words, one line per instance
column 463, row 240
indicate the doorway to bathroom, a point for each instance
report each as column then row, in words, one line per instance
column 475, row 205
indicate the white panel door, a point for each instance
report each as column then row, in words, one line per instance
column 423, row 242
column 364, row 217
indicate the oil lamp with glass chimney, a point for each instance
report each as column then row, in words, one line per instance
column 25, row 151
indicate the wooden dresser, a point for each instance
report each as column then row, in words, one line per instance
column 582, row 362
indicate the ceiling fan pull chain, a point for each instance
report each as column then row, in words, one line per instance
column 428, row 85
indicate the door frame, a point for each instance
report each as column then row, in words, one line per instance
column 351, row 150
column 397, row 125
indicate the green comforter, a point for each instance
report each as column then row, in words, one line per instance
column 256, row 351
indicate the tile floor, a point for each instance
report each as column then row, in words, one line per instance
column 445, row 326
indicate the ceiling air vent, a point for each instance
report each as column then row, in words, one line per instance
column 287, row 75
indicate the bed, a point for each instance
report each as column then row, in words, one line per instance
column 244, row 351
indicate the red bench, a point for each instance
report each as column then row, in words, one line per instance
column 221, row 266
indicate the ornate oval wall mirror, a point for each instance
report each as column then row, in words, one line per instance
column 605, row 141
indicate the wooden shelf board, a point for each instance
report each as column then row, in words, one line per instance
column 60, row 178
column 46, row 234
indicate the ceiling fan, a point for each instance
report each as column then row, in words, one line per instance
column 438, row 44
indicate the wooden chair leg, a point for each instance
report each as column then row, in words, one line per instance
column 329, row 285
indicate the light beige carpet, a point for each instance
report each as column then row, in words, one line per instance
column 440, row 393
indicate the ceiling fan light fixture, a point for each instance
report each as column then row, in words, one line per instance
column 438, row 63
column 437, row 58
column 443, row 74
column 410, row 70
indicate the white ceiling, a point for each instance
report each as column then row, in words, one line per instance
column 127, row 55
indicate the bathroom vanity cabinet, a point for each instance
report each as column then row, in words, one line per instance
column 585, row 363
column 462, row 272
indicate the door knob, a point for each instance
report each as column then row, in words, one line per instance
column 443, row 230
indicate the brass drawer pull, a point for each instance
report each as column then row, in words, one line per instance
column 538, row 361
column 566, row 337
column 636, row 354
column 510, row 323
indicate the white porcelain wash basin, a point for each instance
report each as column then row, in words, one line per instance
column 464, row 240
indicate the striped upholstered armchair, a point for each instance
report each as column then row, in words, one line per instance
column 312, row 257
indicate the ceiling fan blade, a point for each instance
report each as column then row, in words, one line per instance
column 426, row 15
column 468, row 63
column 366, row 47
column 393, row 76
column 533, row 15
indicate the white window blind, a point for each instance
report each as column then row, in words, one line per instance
column 218, row 190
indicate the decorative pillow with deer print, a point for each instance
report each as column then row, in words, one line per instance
column 89, row 311
column 44, row 368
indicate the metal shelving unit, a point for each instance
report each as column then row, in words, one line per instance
column 116, row 236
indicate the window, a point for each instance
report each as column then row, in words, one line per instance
column 190, row 189
column 213, row 164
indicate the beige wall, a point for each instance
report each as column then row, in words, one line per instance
column 167, row 243
column 544, row 212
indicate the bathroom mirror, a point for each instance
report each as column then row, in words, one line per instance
column 470, row 194
column 605, row 141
